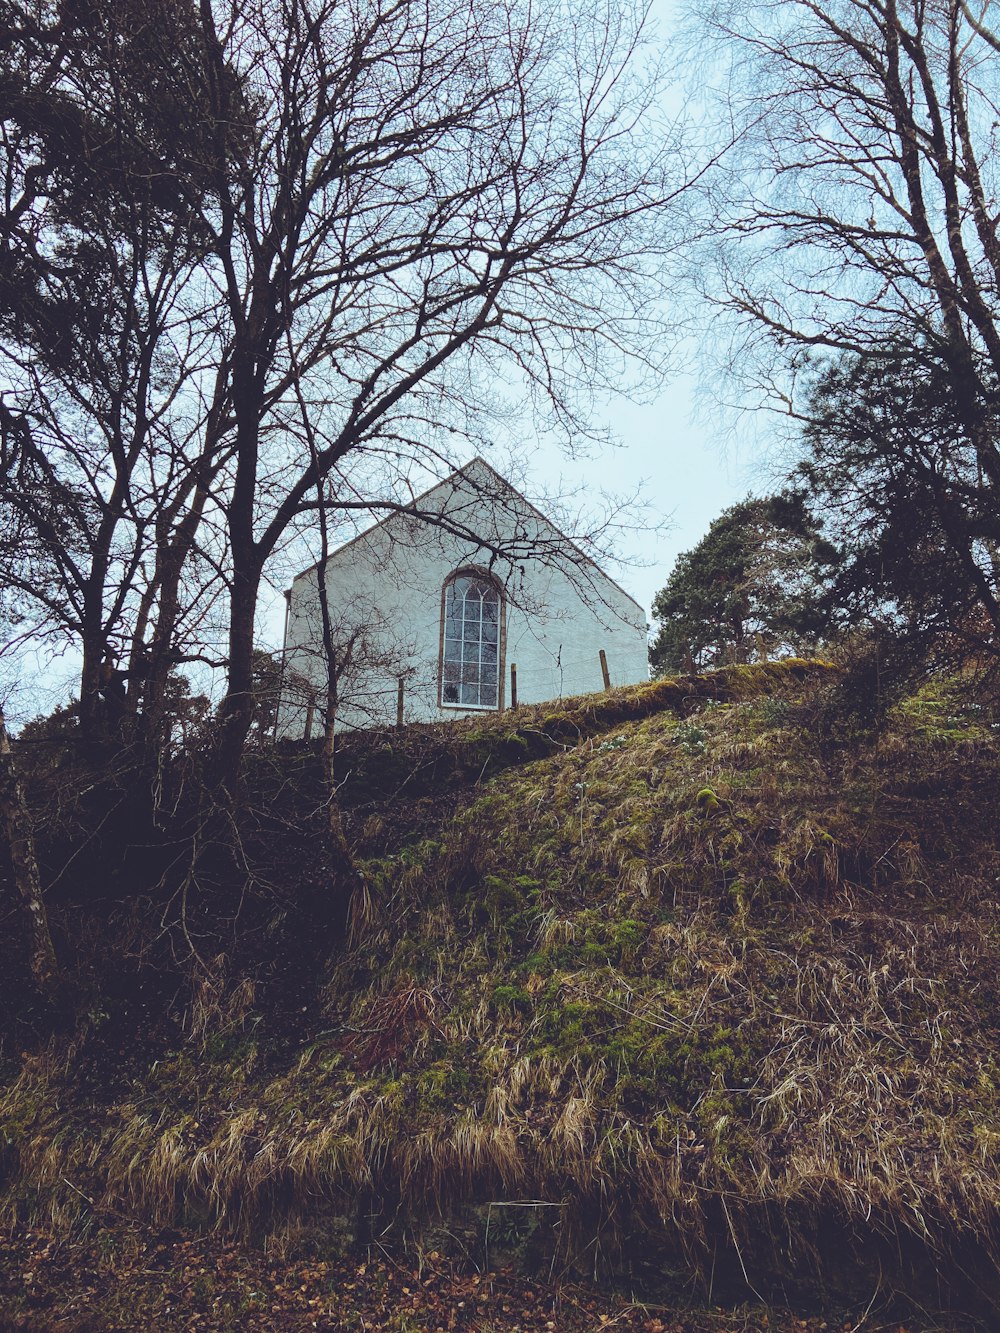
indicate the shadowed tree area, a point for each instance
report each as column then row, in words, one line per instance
column 851, row 254
column 889, row 464
column 255, row 259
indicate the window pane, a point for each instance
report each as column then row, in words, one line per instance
column 470, row 666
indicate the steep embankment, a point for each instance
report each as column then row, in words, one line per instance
column 708, row 978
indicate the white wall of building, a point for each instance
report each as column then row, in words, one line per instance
column 385, row 590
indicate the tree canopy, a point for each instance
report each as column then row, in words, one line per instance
column 850, row 247
column 890, row 463
column 752, row 588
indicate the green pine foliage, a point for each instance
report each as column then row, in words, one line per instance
column 751, row 589
column 906, row 479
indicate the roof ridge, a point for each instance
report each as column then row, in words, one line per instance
column 400, row 510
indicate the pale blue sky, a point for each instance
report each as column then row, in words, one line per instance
column 688, row 463
column 688, row 469
column 691, row 457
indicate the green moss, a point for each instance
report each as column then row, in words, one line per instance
column 500, row 898
column 707, row 801
column 628, row 935
column 599, row 976
column 443, row 1086
column 946, row 711
column 511, row 999
column 566, row 1029
column 537, row 964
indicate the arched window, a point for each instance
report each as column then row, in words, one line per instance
column 471, row 642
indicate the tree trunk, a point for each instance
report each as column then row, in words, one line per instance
column 44, row 969
column 334, row 819
column 236, row 712
column 153, row 662
column 92, row 717
column 335, row 663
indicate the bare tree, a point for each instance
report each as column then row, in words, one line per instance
column 424, row 186
column 857, row 225
column 98, row 244
column 329, row 684
column 24, row 863
column 346, row 215
column 859, row 214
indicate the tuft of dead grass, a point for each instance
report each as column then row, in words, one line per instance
column 703, row 1029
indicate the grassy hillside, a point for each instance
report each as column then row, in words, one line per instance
column 699, row 971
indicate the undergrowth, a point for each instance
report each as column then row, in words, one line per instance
column 707, row 980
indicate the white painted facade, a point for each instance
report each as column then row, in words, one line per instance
column 386, row 597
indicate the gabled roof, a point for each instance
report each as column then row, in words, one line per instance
column 464, row 471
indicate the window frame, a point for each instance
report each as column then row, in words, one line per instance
column 484, row 576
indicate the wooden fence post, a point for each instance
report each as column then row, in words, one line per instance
column 604, row 670
column 513, row 684
column 399, row 703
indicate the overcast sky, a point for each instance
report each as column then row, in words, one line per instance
column 688, row 468
column 691, row 459
column 687, row 462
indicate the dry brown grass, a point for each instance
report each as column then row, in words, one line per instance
column 706, row 1023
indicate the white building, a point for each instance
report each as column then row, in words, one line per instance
column 436, row 612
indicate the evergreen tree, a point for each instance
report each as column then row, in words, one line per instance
column 751, row 588
column 893, row 466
